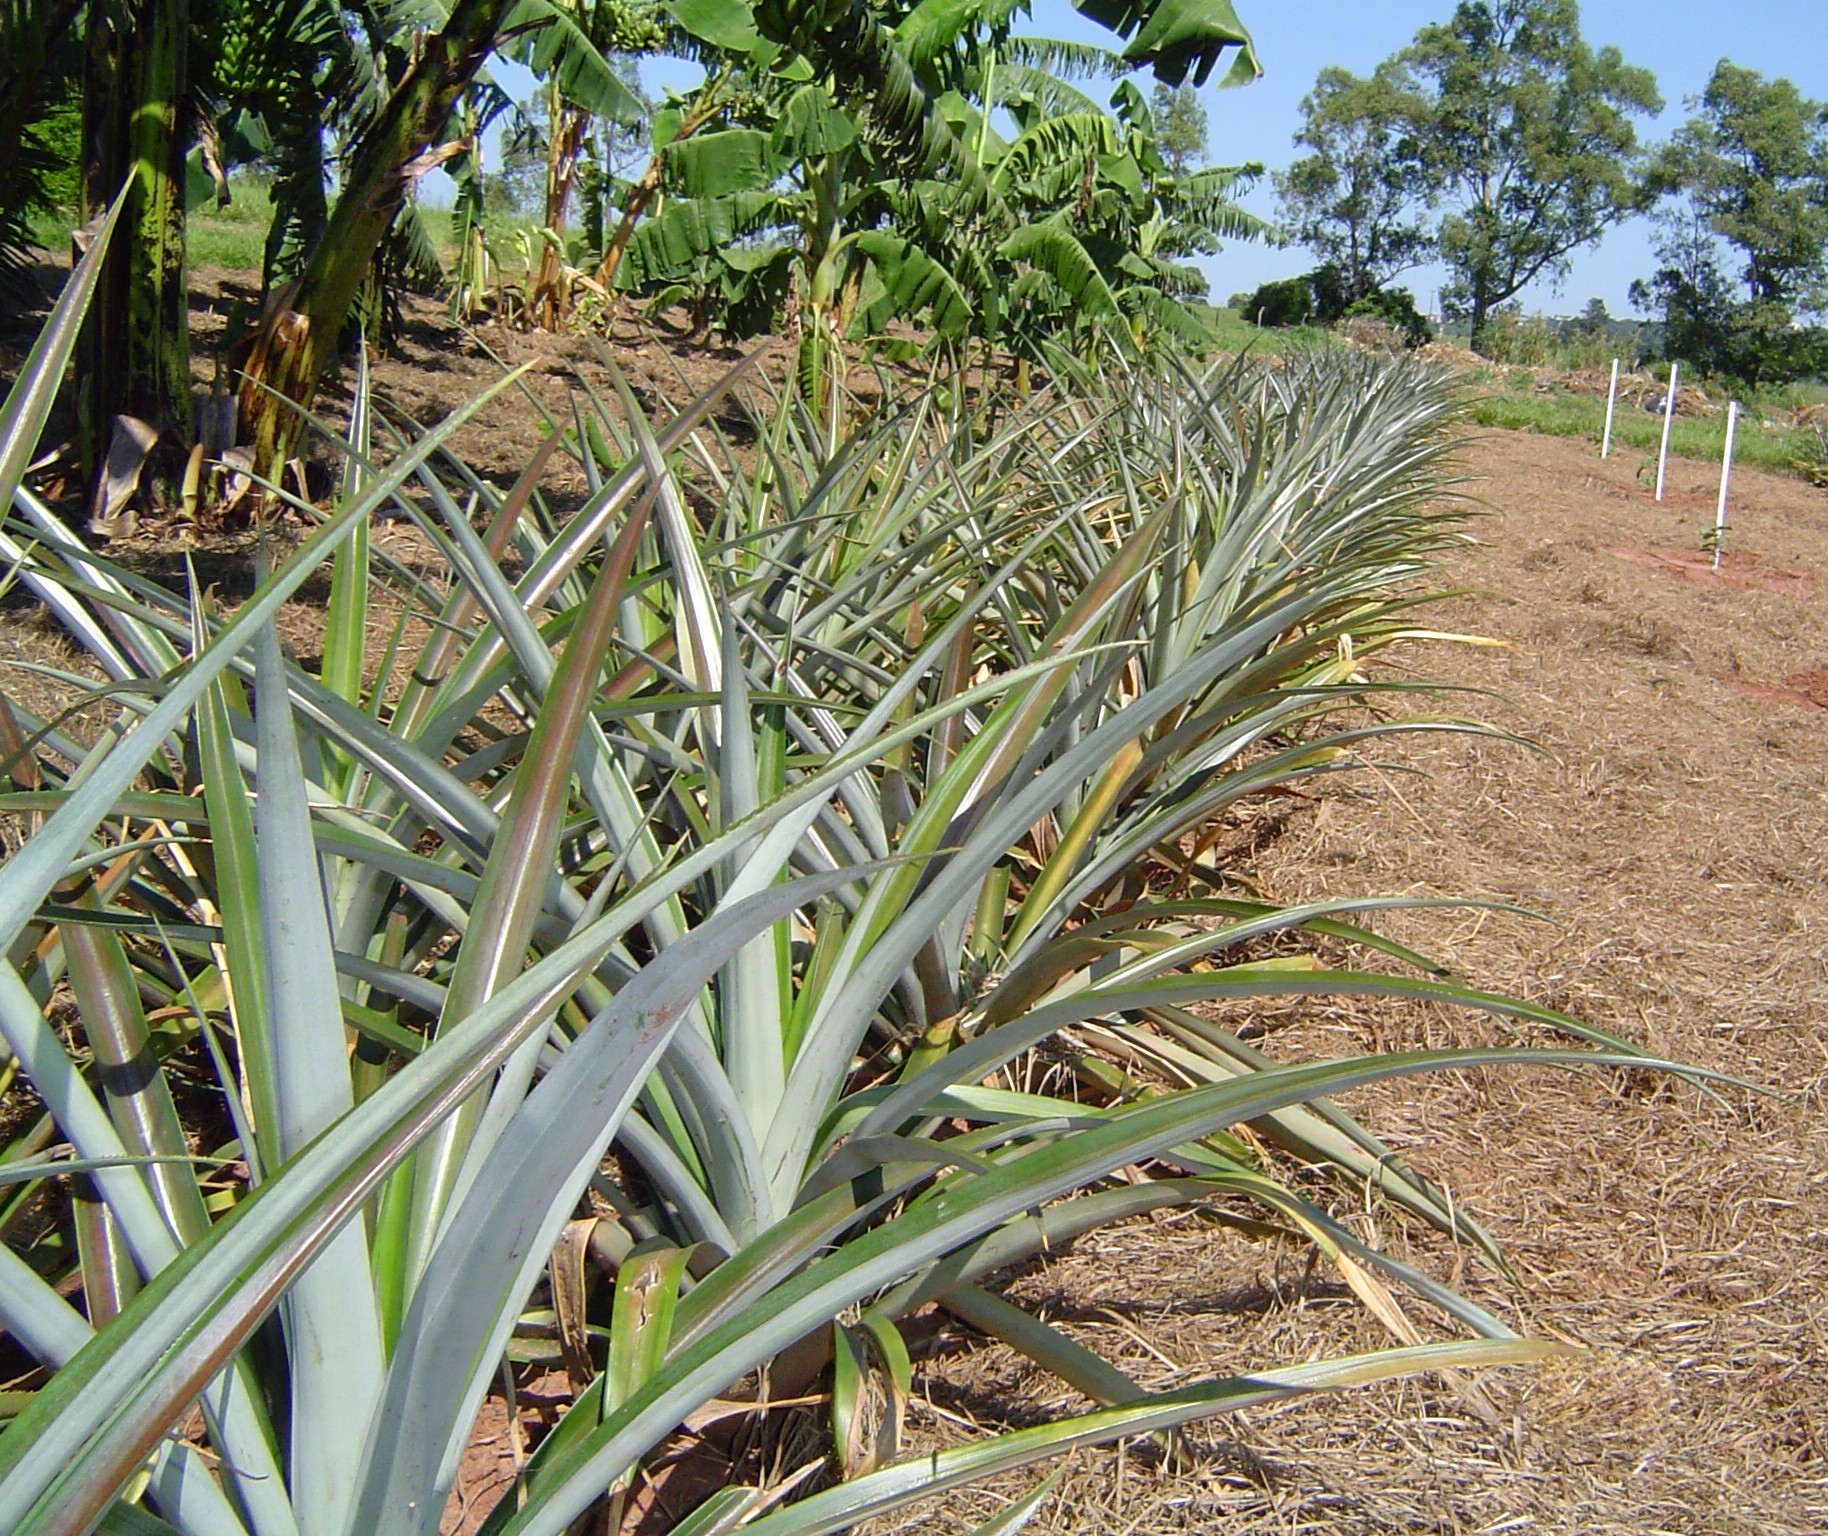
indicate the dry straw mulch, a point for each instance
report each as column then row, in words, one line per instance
column 1672, row 824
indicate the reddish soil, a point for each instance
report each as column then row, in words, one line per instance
column 1771, row 693
column 1813, row 686
column 1737, row 569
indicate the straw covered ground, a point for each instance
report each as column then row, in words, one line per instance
column 1670, row 826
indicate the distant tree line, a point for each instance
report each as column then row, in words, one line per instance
column 1500, row 143
column 1326, row 296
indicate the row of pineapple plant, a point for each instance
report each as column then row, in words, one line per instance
column 699, row 864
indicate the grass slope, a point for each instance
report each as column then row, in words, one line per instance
column 1767, row 443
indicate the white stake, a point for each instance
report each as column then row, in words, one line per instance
column 1726, row 470
column 1669, row 415
column 1612, row 395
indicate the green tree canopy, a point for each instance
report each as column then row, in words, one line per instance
column 1754, row 161
column 1180, row 126
column 1357, row 200
column 1745, row 251
column 1525, row 133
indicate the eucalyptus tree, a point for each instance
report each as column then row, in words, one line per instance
column 1180, row 119
column 1745, row 254
column 1357, row 197
column 1754, row 160
column 1525, row 132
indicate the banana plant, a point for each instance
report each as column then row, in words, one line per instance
column 1082, row 237
column 401, row 136
column 35, row 45
column 282, row 75
column 569, row 53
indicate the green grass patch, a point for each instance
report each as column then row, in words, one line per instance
column 1233, row 333
column 233, row 237
column 1760, row 441
column 51, row 231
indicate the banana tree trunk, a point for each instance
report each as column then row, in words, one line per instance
column 135, row 349
column 708, row 105
column 633, row 206
column 568, row 125
column 295, row 338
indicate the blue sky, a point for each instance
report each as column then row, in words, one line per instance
column 1679, row 41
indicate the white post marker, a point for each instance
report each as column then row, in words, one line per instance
column 1669, row 415
column 1726, row 470
column 1612, row 395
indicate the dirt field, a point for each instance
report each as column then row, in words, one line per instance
column 1673, row 830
